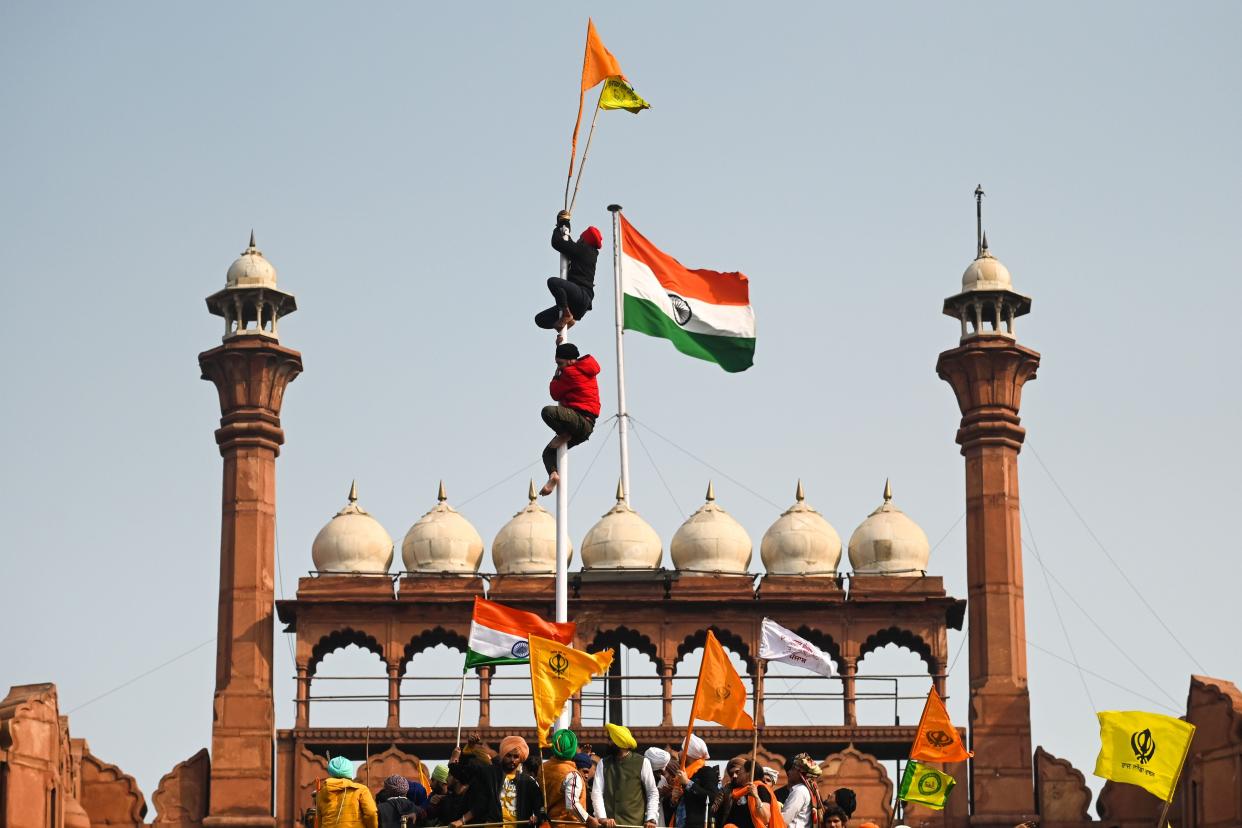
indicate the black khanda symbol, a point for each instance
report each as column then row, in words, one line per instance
column 558, row 663
column 1144, row 746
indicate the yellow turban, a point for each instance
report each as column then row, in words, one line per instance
column 621, row 736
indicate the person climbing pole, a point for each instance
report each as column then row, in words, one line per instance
column 576, row 391
column 573, row 294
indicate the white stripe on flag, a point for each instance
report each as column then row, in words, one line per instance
column 637, row 279
column 496, row 644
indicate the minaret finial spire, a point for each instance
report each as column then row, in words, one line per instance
column 711, row 491
column 440, row 495
column 353, row 491
column 981, row 243
column 252, row 237
column 530, row 492
column 620, row 491
column 800, row 495
column 888, row 490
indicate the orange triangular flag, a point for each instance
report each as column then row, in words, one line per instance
column 598, row 65
column 937, row 740
column 720, row 696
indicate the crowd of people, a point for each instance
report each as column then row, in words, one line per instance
column 619, row 788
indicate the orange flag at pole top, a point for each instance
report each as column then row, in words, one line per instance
column 937, row 740
column 598, row 65
column 720, row 696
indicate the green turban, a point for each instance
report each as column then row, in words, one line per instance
column 341, row 768
column 564, row 744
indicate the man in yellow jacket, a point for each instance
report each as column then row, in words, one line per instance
column 342, row 802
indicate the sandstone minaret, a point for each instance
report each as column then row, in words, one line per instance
column 987, row 372
column 250, row 371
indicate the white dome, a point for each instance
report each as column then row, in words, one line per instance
column 251, row 269
column 353, row 541
column 621, row 540
column 711, row 541
column 889, row 543
column 442, row 541
column 526, row 545
column 986, row 273
column 801, row 542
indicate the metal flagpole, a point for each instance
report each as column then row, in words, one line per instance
column 562, row 553
column 461, row 702
column 622, row 413
column 562, row 519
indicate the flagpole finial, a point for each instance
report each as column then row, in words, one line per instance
column 530, row 492
column 353, row 491
column 711, row 491
column 620, row 492
column 614, row 208
column 981, row 243
column 800, row 494
column 440, row 495
column 888, row 490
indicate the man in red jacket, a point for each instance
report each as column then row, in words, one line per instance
column 573, row 418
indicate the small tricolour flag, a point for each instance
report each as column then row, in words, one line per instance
column 498, row 634
column 704, row 313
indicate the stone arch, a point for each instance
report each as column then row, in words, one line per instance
column 734, row 642
column 338, row 640
column 900, row 637
column 428, row 639
column 631, row 638
column 822, row 640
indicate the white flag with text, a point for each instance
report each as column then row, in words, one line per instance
column 779, row 644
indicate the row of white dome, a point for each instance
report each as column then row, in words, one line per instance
column 800, row 542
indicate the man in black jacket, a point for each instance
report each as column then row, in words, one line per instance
column 575, row 293
column 501, row 791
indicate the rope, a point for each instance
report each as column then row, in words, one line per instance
column 651, row 460
column 1109, row 638
column 1057, row 609
column 280, row 583
column 158, row 667
column 703, row 462
column 497, row 483
column 1104, row 679
column 1112, row 561
column 579, row 485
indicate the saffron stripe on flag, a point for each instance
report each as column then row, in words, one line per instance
column 709, row 286
column 732, row 353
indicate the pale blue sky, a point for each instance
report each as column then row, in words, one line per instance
column 401, row 165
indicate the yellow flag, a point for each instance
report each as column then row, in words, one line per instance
column 557, row 672
column 1144, row 749
column 617, row 94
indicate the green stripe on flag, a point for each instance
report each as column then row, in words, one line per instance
column 732, row 353
column 474, row 659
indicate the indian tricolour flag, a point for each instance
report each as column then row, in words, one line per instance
column 704, row 313
column 498, row 634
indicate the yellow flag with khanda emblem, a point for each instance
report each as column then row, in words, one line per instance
column 557, row 671
column 1144, row 749
column 617, row 94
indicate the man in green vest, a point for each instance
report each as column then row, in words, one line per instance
column 625, row 787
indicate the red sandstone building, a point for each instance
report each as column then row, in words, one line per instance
column 258, row 775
